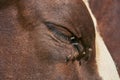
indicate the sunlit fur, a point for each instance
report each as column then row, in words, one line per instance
column 106, row 66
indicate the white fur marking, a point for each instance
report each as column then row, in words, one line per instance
column 106, row 66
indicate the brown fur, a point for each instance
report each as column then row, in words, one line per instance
column 107, row 13
column 28, row 51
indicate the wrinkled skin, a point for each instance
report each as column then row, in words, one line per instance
column 108, row 18
column 29, row 51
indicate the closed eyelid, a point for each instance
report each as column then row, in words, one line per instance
column 50, row 24
column 74, row 40
column 59, row 30
column 55, row 28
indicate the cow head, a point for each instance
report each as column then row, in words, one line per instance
column 39, row 36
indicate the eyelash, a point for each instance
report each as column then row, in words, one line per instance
column 52, row 28
column 77, row 43
column 72, row 39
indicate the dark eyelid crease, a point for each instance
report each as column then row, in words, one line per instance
column 52, row 27
column 53, row 24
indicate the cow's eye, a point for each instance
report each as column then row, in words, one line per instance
column 59, row 31
column 65, row 34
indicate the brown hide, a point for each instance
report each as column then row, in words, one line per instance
column 107, row 13
column 29, row 51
